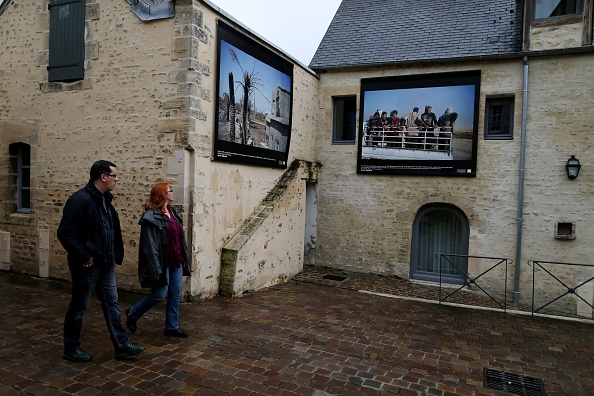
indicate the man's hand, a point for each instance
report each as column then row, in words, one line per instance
column 89, row 263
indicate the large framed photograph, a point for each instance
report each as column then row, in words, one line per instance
column 254, row 102
column 424, row 124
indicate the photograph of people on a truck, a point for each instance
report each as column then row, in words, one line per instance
column 421, row 123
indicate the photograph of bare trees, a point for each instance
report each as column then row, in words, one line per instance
column 253, row 102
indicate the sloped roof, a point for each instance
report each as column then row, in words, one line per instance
column 368, row 32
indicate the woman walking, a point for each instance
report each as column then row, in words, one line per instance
column 162, row 260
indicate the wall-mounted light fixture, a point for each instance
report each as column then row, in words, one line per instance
column 573, row 167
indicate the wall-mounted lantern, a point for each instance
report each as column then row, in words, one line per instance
column 573, row 167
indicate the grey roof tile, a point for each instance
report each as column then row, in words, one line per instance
column 367, row 32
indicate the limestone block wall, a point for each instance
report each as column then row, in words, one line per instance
column 225, row 194
column 375, row 213
column 131, row 108
column 556, row 37
column 5, row 250
column 20, row 228
column 19, row 37
column 268, row 248
column 559, row 114
column 365, row 222
column 145, row 103
column 274, row 254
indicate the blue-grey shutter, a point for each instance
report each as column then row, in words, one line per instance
column 66, row 40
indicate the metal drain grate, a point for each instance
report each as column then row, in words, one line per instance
column 334, row 277
column 513, row 383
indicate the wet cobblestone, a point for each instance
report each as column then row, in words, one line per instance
column 311, row 336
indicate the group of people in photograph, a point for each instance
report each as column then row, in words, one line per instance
column 411, row 130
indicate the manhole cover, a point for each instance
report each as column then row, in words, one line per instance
column 513, row 383
column 334, row 277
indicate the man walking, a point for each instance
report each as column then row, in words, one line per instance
column 91, row 234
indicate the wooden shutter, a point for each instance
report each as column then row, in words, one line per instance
column 66, row 40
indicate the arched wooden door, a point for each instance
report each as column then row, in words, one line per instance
column 439, row 228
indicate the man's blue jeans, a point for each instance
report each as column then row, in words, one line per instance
column 171, row 291
column 100, row 278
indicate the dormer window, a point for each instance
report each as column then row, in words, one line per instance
column 544, row 9
column 557, row 24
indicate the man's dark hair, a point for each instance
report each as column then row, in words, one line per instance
column 101, row 167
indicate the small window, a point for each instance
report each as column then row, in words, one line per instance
column 565, row 231
column 66, row 40
column 499, row 117
column 343, row 129
column 555, row 8
column 20, row 154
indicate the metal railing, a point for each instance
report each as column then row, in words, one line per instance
column 412, row 138
column 566, row 290
column 474, row 280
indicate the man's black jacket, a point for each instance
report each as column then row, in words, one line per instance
column 81, row 229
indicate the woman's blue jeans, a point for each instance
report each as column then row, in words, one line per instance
column 171, row 291
column 102, row 279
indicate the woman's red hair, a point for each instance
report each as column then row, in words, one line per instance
column 158, row 197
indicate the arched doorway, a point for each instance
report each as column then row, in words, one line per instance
column 439, row 228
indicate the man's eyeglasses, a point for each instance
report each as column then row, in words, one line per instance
column 114, row 175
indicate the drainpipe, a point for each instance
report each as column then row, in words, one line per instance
column 520, row 218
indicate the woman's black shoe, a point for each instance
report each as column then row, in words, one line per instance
column 175, row 333
column 130, row 322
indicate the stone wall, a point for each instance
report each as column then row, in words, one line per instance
column 146, row 103
column 556, row 37
column 225, row 194
column 365, row 221
column 560, row 105
column 268, row 248
column 129, row 109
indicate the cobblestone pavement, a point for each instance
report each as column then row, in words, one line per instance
column 306, row 337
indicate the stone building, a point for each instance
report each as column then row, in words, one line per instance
column 277, row 122
column 147, row 85
column 137, row 85
column 534, row 60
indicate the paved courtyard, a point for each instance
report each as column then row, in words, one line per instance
column 306, row 337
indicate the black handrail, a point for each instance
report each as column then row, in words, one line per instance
column 569, row 290
column 473, row 280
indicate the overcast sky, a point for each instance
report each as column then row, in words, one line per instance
column 295, row 26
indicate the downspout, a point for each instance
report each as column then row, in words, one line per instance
column 520, row 218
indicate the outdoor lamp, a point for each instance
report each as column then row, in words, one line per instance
column 573, row 167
